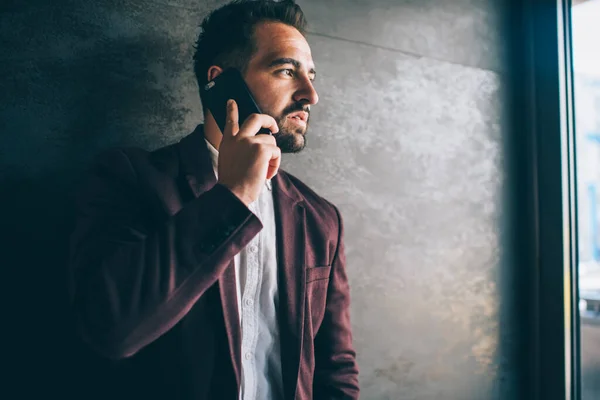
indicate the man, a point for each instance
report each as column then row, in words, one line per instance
column 200, row 269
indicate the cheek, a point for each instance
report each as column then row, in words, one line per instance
column 271, row 99
column 272, row 106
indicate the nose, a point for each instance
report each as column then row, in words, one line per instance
column 306, row 92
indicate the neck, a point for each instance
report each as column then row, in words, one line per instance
column 212, row 133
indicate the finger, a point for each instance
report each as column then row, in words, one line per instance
column 274, row 163
column 263, row 139
column 254, row 122
column 231, row 121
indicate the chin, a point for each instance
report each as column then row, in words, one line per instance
column 291, row 142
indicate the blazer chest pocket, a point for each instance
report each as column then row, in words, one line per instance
column 317, row 282
column 317, row 273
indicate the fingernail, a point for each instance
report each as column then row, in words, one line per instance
column 229, row 103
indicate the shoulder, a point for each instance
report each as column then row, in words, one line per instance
column 132, row 162
column 130, row 178
column 127, row 175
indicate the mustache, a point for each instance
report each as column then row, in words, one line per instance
column 297, row 107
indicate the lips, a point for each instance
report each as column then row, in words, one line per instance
column 300, row 115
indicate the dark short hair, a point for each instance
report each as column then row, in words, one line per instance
column 227, row 34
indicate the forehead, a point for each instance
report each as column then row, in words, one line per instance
column 277, row 40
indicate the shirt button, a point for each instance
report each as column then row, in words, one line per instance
column 248, row 302
column 253, row 249
column 248, row 356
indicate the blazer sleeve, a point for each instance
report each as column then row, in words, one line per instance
column 336, row 370
column 136, row 271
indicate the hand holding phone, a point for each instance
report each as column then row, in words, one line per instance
column 245, row 158
column 230, row 84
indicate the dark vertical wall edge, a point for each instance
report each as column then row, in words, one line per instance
column 521, row 233
column 548, row 333
column 534, row 170
column 551, row 226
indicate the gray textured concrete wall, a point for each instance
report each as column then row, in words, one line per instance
column 407, row 140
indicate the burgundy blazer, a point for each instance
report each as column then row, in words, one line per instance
column 153, row 281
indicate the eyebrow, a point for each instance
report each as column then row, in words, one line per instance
column 294, row 62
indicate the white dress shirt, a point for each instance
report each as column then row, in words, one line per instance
column 258, row 299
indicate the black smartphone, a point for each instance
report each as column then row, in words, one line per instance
column 230, row 84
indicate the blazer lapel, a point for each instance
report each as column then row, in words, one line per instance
column 291, row 225
column 197, row 170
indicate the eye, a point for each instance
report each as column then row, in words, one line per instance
column 287, row 71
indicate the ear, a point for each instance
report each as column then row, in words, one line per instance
column 213, row 72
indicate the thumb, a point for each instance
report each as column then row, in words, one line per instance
column 274, row 163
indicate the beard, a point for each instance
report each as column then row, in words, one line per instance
column 291, row 138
